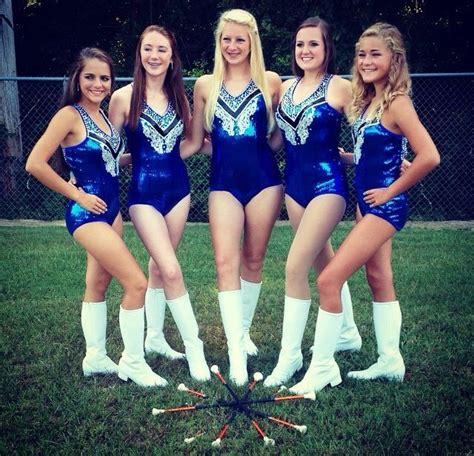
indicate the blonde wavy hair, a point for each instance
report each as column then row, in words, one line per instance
column 398, row 81
column 257, row 64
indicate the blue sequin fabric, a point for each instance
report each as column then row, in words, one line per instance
column 159, row 175
column 378, row 154
column 95, row 165
column 242, row 161
column 310, row 132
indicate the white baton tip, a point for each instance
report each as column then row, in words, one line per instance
column 189, row 439
column 301, row 429
column 156, row 411
column 182, row 387
column 215, row 369
column 268, row 442
column 216, row 443
column 258, row 376
column 311, row 396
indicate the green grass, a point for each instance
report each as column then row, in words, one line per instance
column 47, row 406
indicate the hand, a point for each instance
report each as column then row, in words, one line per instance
column 404, row 166
column 91, row 203
column 72, row 179
column 377, row 196
column 346, row 157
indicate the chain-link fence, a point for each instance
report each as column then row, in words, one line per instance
column 444, row 103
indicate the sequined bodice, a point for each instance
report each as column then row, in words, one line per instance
column 378, row 152
column 312, row 120
column 96, row 158
column 240, row 117
column 241, row 155
column 156, row 137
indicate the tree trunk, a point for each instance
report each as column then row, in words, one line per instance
column 10, row 131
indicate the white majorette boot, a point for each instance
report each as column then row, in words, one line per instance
column 323, row 369
column 132, row 364
column 290, row 359
column 350, row 339
column 155, row 342
column 94, row 327
column 250, row 294
column 184, row 317
column 230, row 304
column 389, row 365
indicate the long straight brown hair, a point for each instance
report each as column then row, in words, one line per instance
column 173, row 86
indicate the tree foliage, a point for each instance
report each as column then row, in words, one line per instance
column 49, row 33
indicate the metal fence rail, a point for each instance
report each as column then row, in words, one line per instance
column 444, row 103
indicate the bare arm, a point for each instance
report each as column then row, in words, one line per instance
column 194, row 141
column 119, row 109
column 64, row 125
column 276, row 138
column 402, row 116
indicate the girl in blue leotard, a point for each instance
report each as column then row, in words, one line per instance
column 235, row 105
column 309, row 115
column 91, row 148
column 155, row 114
column 383, row 120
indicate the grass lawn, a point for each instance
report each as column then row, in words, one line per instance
column 47, row 405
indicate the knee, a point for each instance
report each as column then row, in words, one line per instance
column 154, row 272
column 137, row 287
column 328, row 283
column 171, row 273
column 226, row 265
column 294, row 271
column 253, row 262
column 378, row 279
column 98, row 283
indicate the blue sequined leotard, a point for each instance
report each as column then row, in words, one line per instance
column 242, row 161
column 95, row 165
column 378, row 154
column 311, row 133
column 159, row 176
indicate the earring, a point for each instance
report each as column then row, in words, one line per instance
column 78, row 89
column 171, row 65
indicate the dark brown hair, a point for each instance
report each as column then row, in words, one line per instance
column 329, row 53
column 173, row 86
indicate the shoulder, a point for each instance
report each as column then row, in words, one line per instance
column 286, row 85
column 273, row 79
column 204, row 82
column 342, row 83
column 67, row 114
column 122, row 95
column 401, row 103
column 203, row 85
column 401, row 109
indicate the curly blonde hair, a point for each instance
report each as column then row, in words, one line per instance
column 257, row 64
column 398, row 80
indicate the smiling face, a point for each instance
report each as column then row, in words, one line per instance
column 155, row 54
column 235, row 43
column 95, row 81
column 309, row 49
column 373, row 60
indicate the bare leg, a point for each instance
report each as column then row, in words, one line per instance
column 260, row 215
column 107, row 247
column 226, row 217
column 161, row 236
column 360, row 245
column 314, row 226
